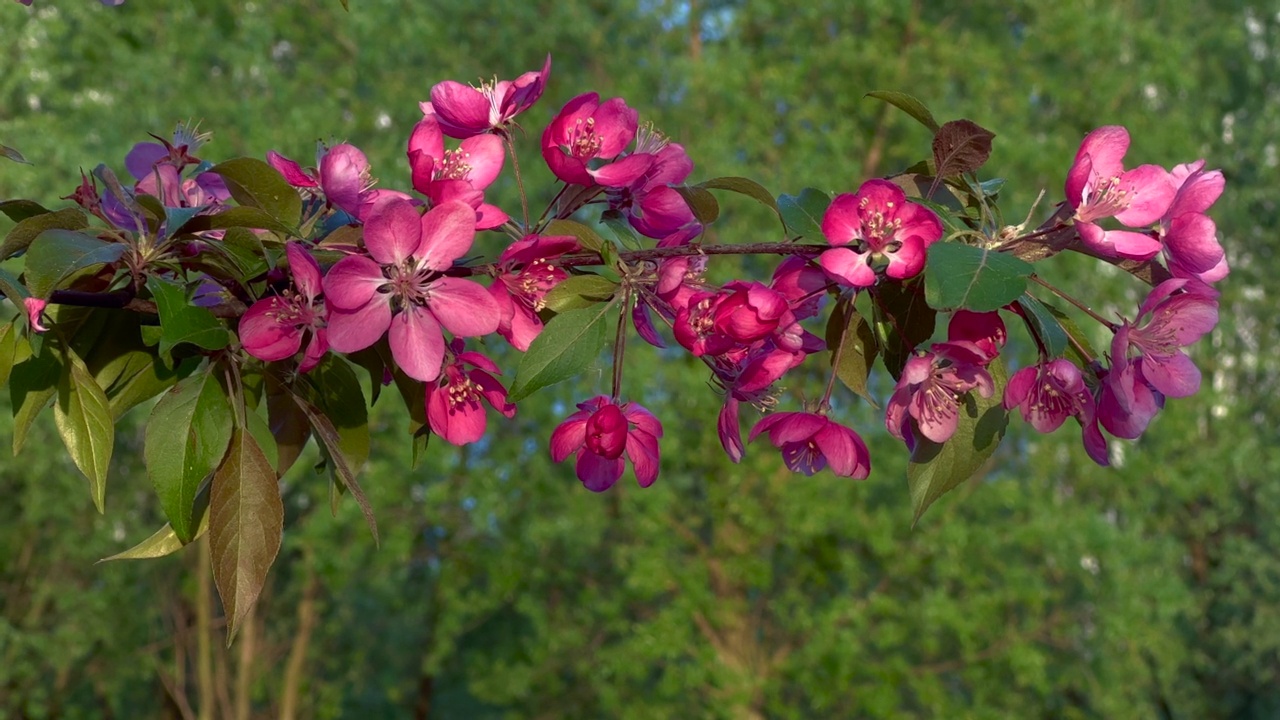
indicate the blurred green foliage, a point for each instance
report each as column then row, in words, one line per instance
column 1045, row 588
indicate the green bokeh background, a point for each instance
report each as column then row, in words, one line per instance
column 1046, row 587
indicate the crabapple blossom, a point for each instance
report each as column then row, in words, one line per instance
column 583, row 142
column 600, row 434
column 811, row 442
column 876, row 224
column 464, row 111
column 1099, row 187
column 272, row 328
column 453, row 400
column 461, row 174
column 526, row 272
column 1048, row 393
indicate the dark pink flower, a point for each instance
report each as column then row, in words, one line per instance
column 454, row 411
column 35, row 312
column 1190, row 237
column 810, row 442
column 400, row 289
column 1099, row 187
column 462, row 174
column 652, row 207
column 465, row 111
column 1050, row 392
column 525, row 275
column 876, row 225
column 272, row 328
column 927, row 396
column 740, row 314
column 802, row 283
column 600, row 434
column 583, row 141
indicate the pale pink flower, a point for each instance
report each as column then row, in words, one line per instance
column 810, row 443
column 600, row 434
column 273, row 328
column 876, row 225
column 465, row 111
column 401, row 289
column 454, row 411
column 1190, row 237
column 1099, row 187
column 1050, row 392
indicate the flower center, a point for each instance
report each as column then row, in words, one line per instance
column 1105, row 199
column 584, row 143
column 454, row 166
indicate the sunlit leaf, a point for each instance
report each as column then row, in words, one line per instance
column 84, row 421
column 803, row 213
column 1046, row 325
column 253, row 183
column 908, row 104
column 702, row 203
column 182, row 322
column 568, row 345
column 246, row 523
column 579, row 291
column 960, row 276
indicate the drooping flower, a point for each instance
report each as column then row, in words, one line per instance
column 465, row 111
column 400, row 289
column 35, row 313
column 810, row 443
column 1099, row 187
column 874, row 225
column 1048, row 393
column 581, row 143
column 1176, row 321
column 1189, row 236
column 525, row 275
column 454, row 411
column 652, row 207
column 272, row 328
column 342, row 175
column 601, row 433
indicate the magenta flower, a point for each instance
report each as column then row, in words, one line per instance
column 400, row 290
column 462, row 174
column 652, row 207
column 583, row 141
column 35, row 313
column 1050, row 392
column 465, row 111
column 525, row 277
column 802, row 283
column 1176, row 321
column 741, row 313
column 343, row 176
column 272, row 328
column 1099, row 187
column 601, row 433
column 810, row 442
column 454, row 411
column 1190, row 237
column 877, row 224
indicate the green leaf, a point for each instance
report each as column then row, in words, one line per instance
column 702, row 203
column 903, row 321
column 564, row 348
column 332, row 442
column 12, row 154
column 337, row 393
column 84, row 421
column 589, row 239
column 803, row 213
column 621, row 229
column 1044, row 324
column 849, row 334
column 246, row 523
column 579, row 291
column 56, row 255
column 236, row 217
column 13, row 288
column 959, row 276
column 253, row 183
column 1079, row 340
column 19, row 210
column 26, row 231
column 8, row 350
column 163, row 541
column 936, row 468
column 961, row 146
column 182, row 322
column 743, row 186
column 186, row 437
column 32, row 385
column 344, row 5
column 908, row 104
column 261, row 432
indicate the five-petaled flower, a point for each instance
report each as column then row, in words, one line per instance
column 400, row 289
column 600, row 434
column 811, row 442
column 454, row 411
column 272, row 328
column 465, row 111
column 581, row 143
column 1048, row 393
column 876, row 225
column 1099, row 187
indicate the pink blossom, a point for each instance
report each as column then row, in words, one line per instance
column 600, row 434
column 525, row 275
column 1099, row 187
column 342, row 175
column 400, row 289
column 462, row 174
column 729, row 431
column 1190, row 237
column 465, row 111
column 802, row 283
column 35, row 311
column 741, row 313
column 272, row 328
column 876, row 225
column 810, row 443
column 652, row 207
column 1176, row 321
column 454, row 411
column 583, row 142
column 1050, row 392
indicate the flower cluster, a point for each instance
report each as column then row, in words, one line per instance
column 387, row 277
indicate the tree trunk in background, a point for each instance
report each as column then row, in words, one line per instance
column 204, row 630
column 294, row 671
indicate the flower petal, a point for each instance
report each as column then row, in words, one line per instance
column 598, row 473
column 447, row 233
column 357, row 329
column 392, row 231
column 464, row 307
column 352, row 282
column 417, row 343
